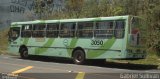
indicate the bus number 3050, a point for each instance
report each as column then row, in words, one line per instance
column 97, row 42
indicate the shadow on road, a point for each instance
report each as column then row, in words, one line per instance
column 129, row 66
column 119, row 65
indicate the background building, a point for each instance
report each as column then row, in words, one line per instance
column 25, row 10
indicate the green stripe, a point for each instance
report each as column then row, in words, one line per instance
column 72, row 45
column 25, row 42
column 42, row 50
column 107, row 45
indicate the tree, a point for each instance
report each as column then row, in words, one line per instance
column 149, row 10
column 73, row 8
column 154, row 22
column 41, row 8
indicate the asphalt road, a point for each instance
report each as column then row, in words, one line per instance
column 12, row 67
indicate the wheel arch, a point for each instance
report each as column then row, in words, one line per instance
column 78, row 48
column 22, row 46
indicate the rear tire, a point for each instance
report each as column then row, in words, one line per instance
column 24, row 53
column 78, row 57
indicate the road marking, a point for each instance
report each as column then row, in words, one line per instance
column 37, row 67
column 22, row 70
column 80, row 75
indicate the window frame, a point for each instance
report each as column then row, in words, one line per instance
column 70, row 30
column 36, row 32
column 122, row 30
column 55, row 25
column 12, row 31
column 107, row 28
column 25, row 30
column 81, row 29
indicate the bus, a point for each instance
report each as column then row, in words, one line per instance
column 115, row 37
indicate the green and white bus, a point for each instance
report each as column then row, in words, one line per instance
column 116, row 37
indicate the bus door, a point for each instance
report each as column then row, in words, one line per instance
column 14, row 40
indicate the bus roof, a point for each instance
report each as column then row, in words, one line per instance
column 71, row 20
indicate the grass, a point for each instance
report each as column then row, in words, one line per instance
column 151, row 59
column 3, row 40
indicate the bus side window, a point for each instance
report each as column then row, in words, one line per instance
column 119, row 29
column 26, row 31
column 104, row 29
column 67, row 30
column 85, row 29
column 52, row 30
column 39, row 30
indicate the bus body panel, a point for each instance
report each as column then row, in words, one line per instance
column 95, row 48
column 63, row 47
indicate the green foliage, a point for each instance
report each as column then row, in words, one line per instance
column 3, row 39
column 41, row 8
column 149, row 10
column 154, row 24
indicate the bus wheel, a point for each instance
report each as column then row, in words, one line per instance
column 78, row 57
column 24, row 53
